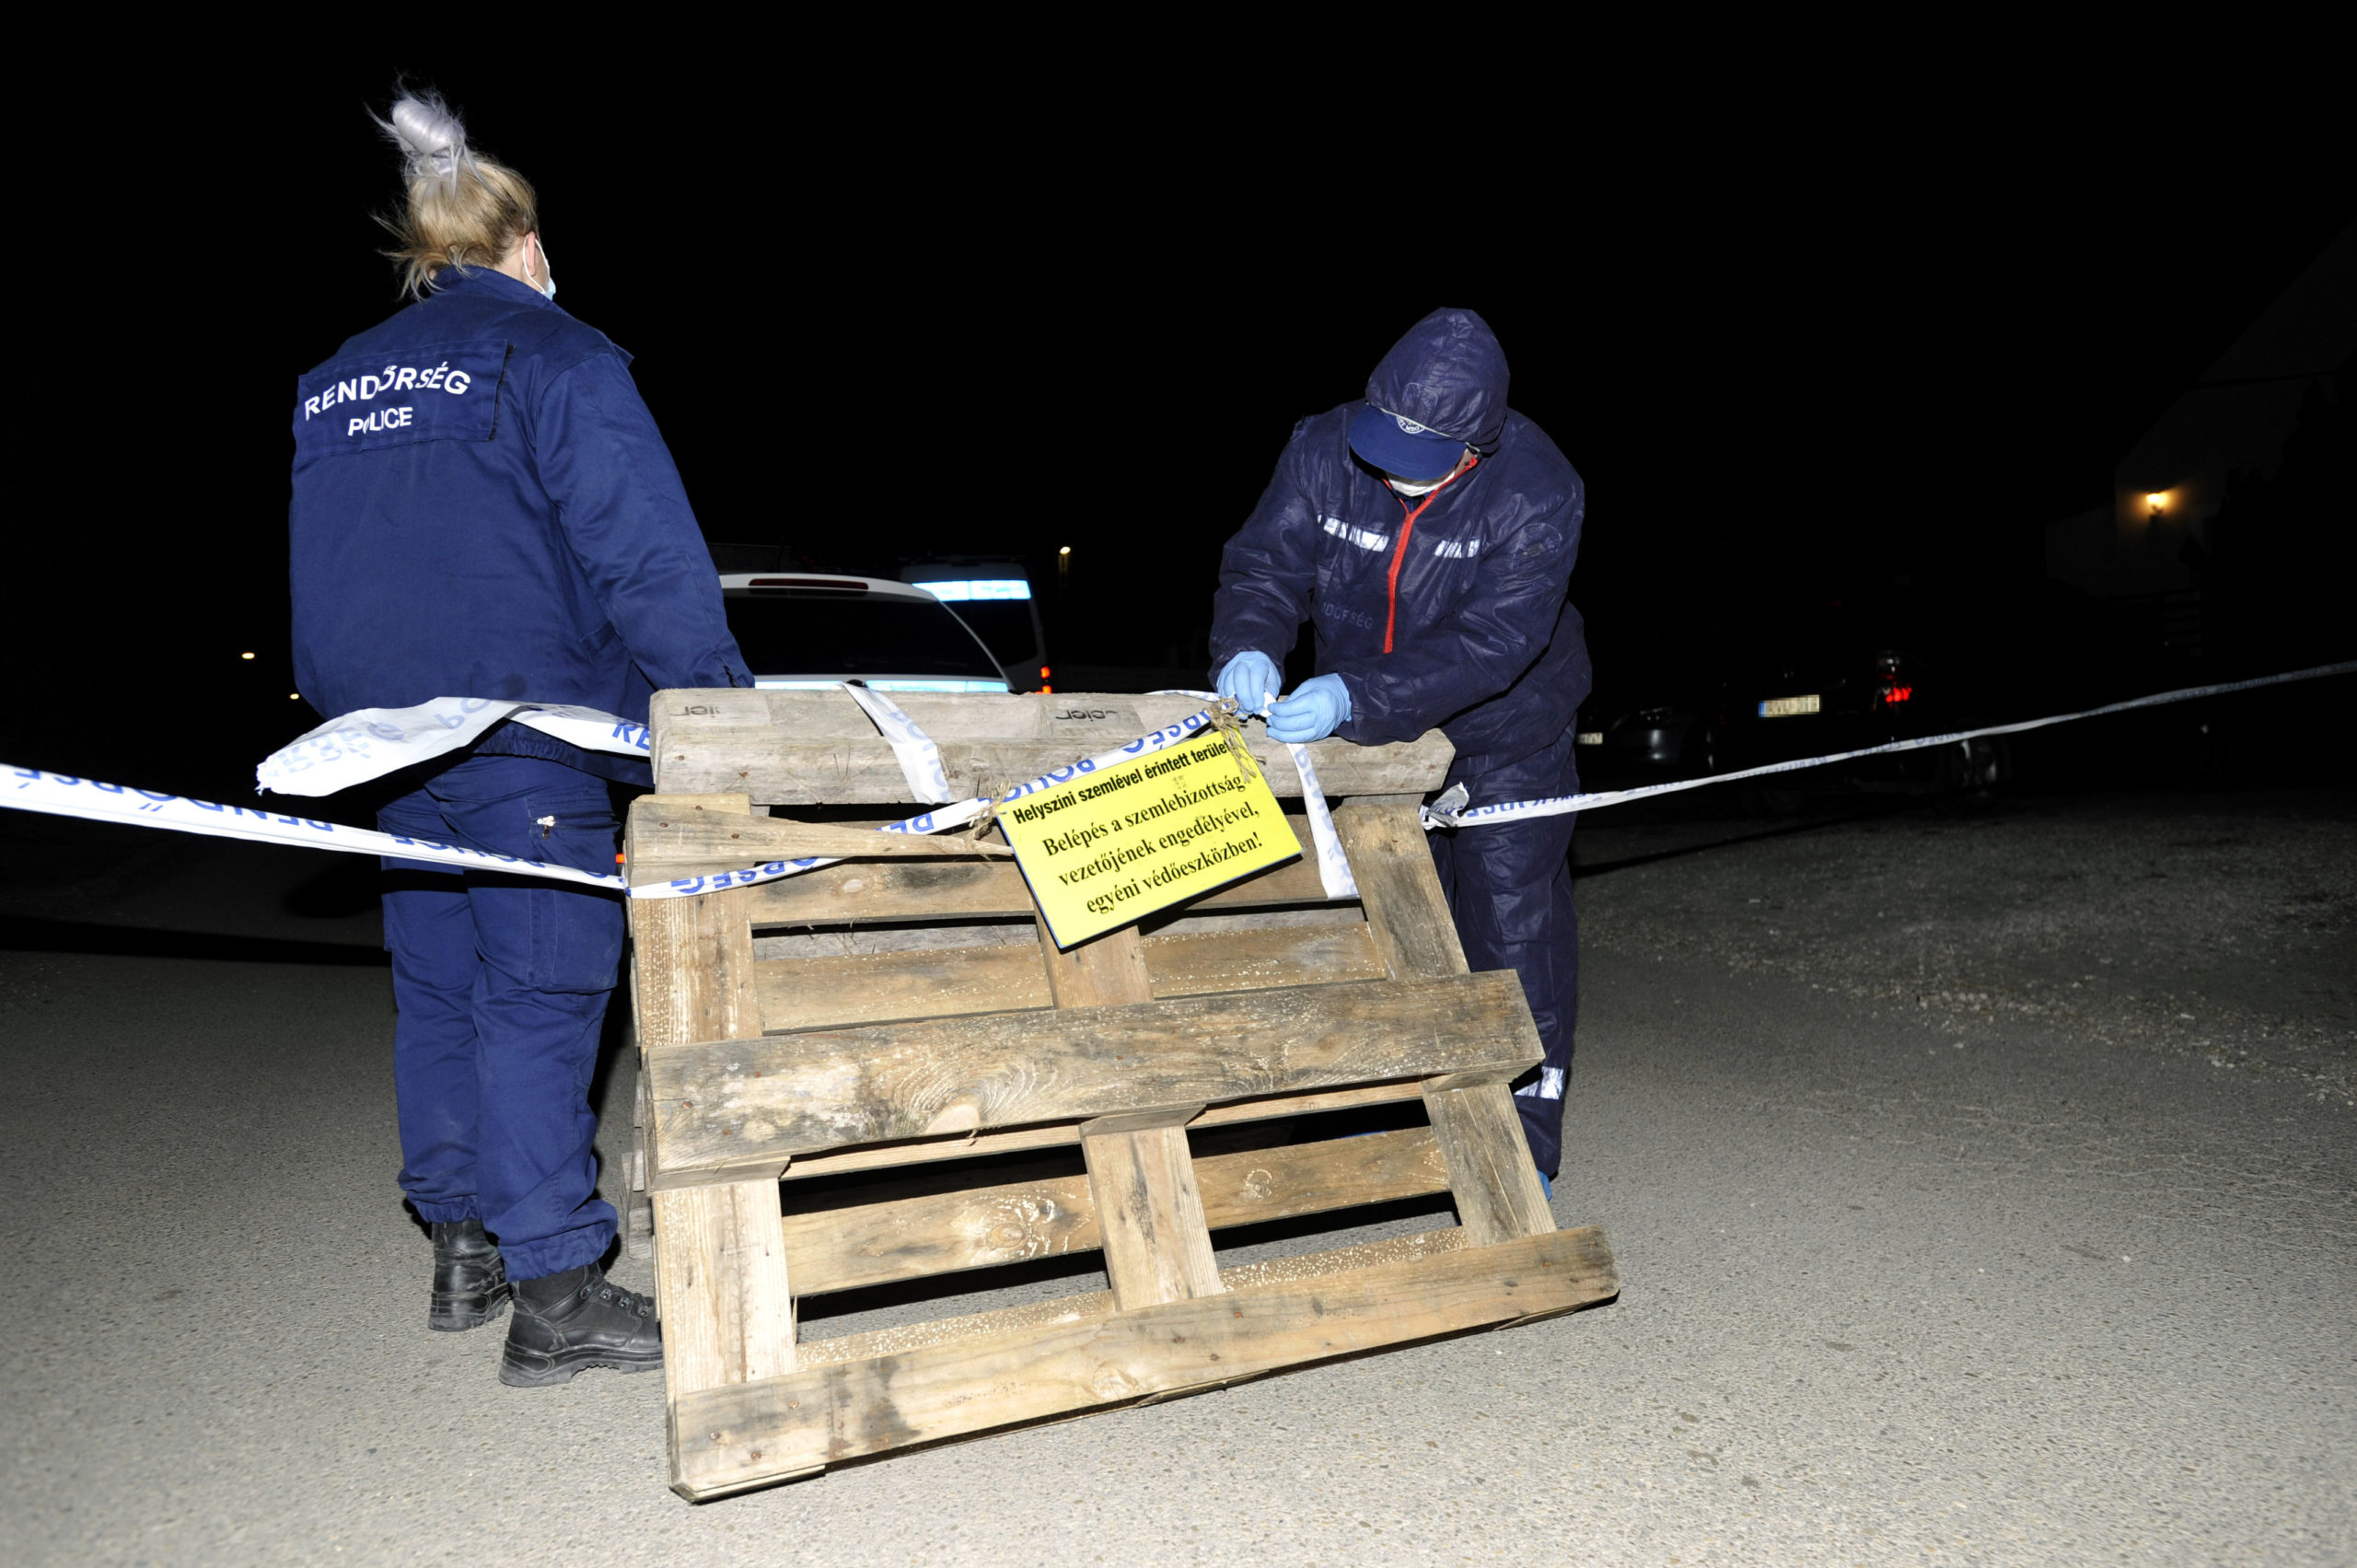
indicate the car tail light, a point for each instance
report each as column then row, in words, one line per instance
column 1894, row 695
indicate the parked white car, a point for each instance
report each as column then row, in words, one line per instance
column 993, row 595
column 804, row 632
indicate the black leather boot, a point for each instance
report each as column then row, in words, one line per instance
column 470, row 1281
column 564, row 1322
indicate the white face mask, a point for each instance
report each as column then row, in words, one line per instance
column 1422, row 486
column 547, row 271
column 1416, row 486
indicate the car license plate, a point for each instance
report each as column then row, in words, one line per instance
column 1590, row 737
column 1785, row 707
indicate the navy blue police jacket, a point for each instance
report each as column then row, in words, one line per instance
column 482, row 507
column 1461, row 620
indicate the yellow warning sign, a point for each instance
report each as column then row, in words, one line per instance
column 1113, row 845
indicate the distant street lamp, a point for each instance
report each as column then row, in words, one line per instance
column 1064, row 580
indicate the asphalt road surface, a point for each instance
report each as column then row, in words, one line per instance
column 1982, row 1185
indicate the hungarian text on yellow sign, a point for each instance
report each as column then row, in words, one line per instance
column 1113, row 845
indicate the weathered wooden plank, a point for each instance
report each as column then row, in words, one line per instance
column 1406, row 910
column 825, row 1414
column 950, row 890
column 724, row 1103
column 1268, row 1107
column 902, row 1338
column 1258, row 960
column 665, row 834
column 1141, row 1178
column 1105, row 972
column 939, row 1232
column 968, row 1146
column 1150, row 1214
column 854, row 989
column 725, row 1304
column 800, row 746
column 638, row 1209
column 1496, row 1187
column 947, row 1146
column 874, row 987
column 727, row 1310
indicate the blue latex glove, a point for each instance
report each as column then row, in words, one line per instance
column 1251, row 680
column 1315, row 707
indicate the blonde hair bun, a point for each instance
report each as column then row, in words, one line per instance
column 433, row 141
column 463, row 209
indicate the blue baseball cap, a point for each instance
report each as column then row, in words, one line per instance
column 1397, row 444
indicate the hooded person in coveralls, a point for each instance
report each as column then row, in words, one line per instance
column 1427, row 535
column 482, row 507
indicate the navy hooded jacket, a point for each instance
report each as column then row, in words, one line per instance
column 1460, row 621
column 482, row 507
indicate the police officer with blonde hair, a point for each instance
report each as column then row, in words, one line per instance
column 482, row 507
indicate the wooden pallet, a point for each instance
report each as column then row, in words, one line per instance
column 914, row 1019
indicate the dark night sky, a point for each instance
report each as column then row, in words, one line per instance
column 1788, row 347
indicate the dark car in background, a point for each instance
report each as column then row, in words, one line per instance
column 1667, row 739
column 1782, row 681
column 1844, row 695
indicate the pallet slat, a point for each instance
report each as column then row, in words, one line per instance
column 832, row 1249
column 726, row 1440
column 1481, row 1139
column 730, row 1103
column 1398, row 888
column 902, row 1338
column 1497, row 1189
column 665, row 835
column 875, row 988
column 721, row 1284
column 1260, row 959
column 957, row 1146
column 797, row 748
column 837, row 990
column 877, row 891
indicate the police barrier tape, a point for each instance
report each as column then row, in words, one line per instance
column 357, row 746
column 65, row 795
column 919, row 758
column 1450, row 809
column 62, row 795
column 368, row 743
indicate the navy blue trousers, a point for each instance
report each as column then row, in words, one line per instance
column 1509, row 891
column 502, row 982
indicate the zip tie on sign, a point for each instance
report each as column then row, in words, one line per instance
column 1451, row 810
column 1333, row 865
column 67, row 794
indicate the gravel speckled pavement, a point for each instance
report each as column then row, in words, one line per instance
column 1982, row 1187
